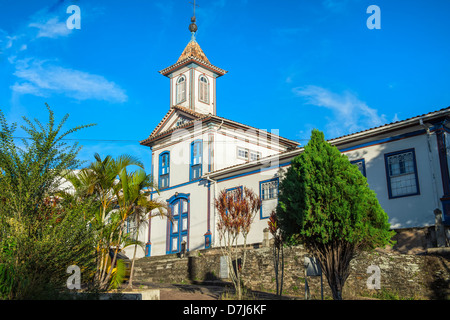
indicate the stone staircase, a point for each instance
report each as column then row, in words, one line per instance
column 162, row 269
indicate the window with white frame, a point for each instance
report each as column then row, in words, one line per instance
column 268, row 190
column 242, row 153
column 255, row 155
column 248, row 155
column 203, row 91
column 181, row 89
column 131, row 227
column 401, row 172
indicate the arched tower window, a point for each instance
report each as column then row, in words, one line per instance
column 181, row 89
column 203, row 89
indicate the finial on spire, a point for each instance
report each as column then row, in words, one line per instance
column 193, row 27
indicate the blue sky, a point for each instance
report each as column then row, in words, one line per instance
column 293, row 65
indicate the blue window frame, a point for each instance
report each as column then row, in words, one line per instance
column 233, row 191
column 268, row 192
column 164, row 170
column 178, row 228
column 196, row 160
column 401, row 174
column 361, row 164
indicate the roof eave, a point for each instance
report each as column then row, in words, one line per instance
column 213, row 68
column 280, row 157
column 390, row 127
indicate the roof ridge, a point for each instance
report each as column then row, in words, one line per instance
column 153, row 135
column 171, row 110
column 220, row 71
column 391, row 123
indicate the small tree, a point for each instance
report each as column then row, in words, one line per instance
column 40, row 236
column 237, row 209
column 326, row 204
column 278, row 252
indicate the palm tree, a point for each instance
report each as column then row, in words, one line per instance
column 106, row 173
column 132, row 194
column 141, row 216
column 100, row 180
column 120, row 195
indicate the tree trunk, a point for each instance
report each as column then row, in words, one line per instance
column 335, row 260
column 282, row 269
column 130, row 281
column 108, row 276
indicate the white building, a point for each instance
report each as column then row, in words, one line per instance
column 196, row 153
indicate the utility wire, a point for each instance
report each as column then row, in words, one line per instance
column 81, row 139
column 118, row 140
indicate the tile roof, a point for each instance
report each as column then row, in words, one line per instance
column 193, row 53
column 200, row 117
column 193, row 50
column 172, row 110
column 438, row 113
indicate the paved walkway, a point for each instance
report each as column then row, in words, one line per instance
column 201, row 292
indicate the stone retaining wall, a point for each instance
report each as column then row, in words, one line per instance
column 401, row 275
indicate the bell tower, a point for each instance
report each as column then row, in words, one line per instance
column 193, row 77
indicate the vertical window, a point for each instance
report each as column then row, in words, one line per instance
column 401, row 173
column 203, row 92
column 242, row 153
column 196, row 159
column 164, row 170
column 178, row 227
column 255, row 155
column 131, row 227
column 268, row 190
column 181, row 89
column 361, row 164
column 233, row 192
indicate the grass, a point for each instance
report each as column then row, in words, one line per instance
column 385, row 294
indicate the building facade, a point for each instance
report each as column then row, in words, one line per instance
column 196, row 154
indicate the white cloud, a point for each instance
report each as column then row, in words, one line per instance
column 6, row 41
column 350, row 114
column 52, row 28
column 42, row 78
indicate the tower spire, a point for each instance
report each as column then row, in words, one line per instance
column 193, row 27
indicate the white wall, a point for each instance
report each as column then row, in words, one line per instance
column 192, row 74
column 404, row 212
column 197, row 225
column 409, row 211
column 224, row 153
column 251, row 181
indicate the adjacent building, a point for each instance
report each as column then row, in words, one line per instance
column 196, row 153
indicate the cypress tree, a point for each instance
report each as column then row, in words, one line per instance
column 325, row 203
